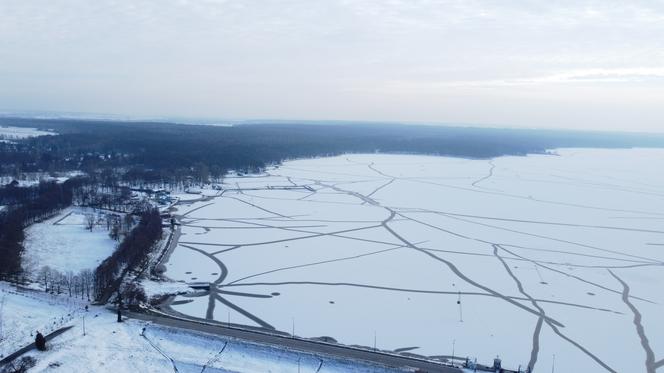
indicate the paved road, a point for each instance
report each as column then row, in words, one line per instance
column 304, row 345
column 31, row 346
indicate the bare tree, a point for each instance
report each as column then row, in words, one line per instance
column 69, row 279
column 89, row 221
column 87, row 279
column 45, row 276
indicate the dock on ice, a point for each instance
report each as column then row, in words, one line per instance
column 270, row 187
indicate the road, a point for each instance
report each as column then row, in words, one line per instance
column 304, row 345
column 32, row 346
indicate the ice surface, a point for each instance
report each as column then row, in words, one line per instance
column 424, row 251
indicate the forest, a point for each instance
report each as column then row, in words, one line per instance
column 153, row 151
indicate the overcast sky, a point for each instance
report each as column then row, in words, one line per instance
column 573, row 64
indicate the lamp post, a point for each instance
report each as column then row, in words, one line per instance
column 553, row 364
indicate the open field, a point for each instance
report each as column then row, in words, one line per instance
column 63, row 243
column 19, row 133
column 522, row 257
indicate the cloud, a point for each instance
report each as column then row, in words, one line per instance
column 329, row 59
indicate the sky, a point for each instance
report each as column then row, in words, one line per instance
column 514, row 63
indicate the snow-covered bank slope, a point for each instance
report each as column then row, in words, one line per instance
column 23, row 312
column 108, row 346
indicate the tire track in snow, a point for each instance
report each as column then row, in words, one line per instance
column 419, row 291
column 563, row 336
column 575, row 277
column 554, row 324
column 260, row 208
column 551, row 238
column 175, row 368
column 449, row 264
column 493, row 166
column 650, row 355
column 315, row 263
column 516, row 196
column 538, row 327
column 245, row 313
column 544, row 261
column 222, row 267
column 461, row 275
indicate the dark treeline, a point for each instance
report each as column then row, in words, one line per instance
column 130, row 254
column 42, row 199
column 27, row 205
column 170, row 152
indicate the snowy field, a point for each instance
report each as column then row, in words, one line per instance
column 64, row 244
column 111, row 347
column 522, row 257
column 19, row 133
column 28, row 179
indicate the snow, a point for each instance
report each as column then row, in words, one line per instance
column 28, row 179
column 108, row 346
column 64, row 244
column 23, row 312
column 19, row 133
column 158, row 288
column 354, row 245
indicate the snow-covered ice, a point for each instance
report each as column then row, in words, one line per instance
column 522, row 257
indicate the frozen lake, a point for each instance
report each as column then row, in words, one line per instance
column 522, row 257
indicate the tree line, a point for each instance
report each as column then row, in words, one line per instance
column 26, row 205
column 154, row 152
column 31, row 204
column 132, row 252
column 74, row 284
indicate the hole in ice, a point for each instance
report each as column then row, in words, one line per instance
column 544, row 283
column 275, row 294
column 187, row 273
column 331, row 302
column 591, row 294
